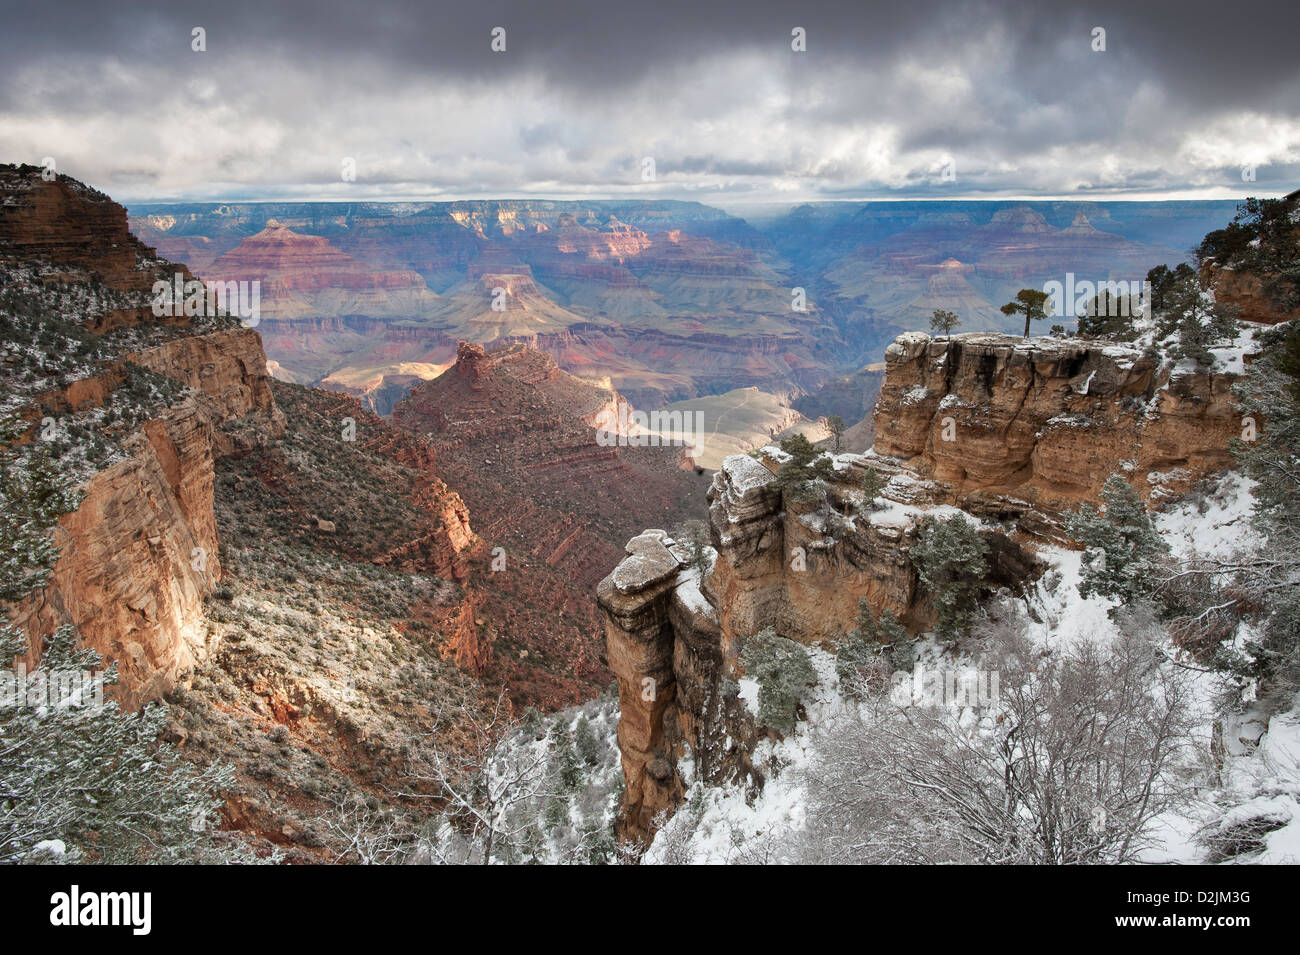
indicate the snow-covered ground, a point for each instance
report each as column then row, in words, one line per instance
column 727, row 824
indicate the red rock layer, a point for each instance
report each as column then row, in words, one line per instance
column 512, row 433
column 139, row 554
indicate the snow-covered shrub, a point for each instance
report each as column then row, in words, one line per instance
column 784, row 674
column 871, row 651
column 1122, row 549
column 949, row 557
column 1086, row 746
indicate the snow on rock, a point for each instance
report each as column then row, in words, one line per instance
column 1216, row 525
column 745, row 473
column 688, row 593
column 721, row 824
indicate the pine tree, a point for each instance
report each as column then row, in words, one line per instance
column 859, row 652
column 1122, row 549
column 944, row 321
column 807, row 463
column 873, row 482
column 1197, row 323
column 1110, row 316
column 784, row 674
column 1270, row 579
column 584, row 739
column 866, row 643
column 1030, row 303
column 564, row 758
column 902, row 654
column 949, row 557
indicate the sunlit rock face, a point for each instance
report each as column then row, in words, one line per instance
column 140, row 553
column 1046, row 420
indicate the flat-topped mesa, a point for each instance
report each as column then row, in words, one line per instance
column 1044, row 421
column 673, row 635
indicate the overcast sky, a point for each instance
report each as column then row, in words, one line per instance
column 904, row 99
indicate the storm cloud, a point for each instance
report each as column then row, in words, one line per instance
column 902, row 100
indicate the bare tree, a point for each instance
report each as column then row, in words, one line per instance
column 1083, row 750
column 674, row 834
column 363, row 834
column 487, row 785
column 944, row 321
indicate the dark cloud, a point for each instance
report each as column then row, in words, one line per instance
column 1185, row 93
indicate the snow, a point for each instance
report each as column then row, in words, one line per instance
column 746, row 473
column 1220, row 529
column 1231, row 359
column 1068, row 420
column 749, row 695
column 688, row 592
column 1158, row 480
column 731, row 823
column 896, row 514
column 725, row 821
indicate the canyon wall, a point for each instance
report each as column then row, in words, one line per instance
column 999, row 421
column 141, row 551
column 516, row 436
column 673, row 634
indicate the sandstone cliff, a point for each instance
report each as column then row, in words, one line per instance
column 1011, row 430
column 1245, row 292
column 1000, row 422
column 673, row 635
column 140, row 553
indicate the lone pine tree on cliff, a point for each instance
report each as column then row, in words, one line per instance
column 1030, row 303
column 944, row 321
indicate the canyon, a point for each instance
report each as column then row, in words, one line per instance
column 290, row 574
column 515, row 434
column 307, row 576
column 140, row 552
column 664, row 301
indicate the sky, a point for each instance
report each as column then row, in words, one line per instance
column 665, row 99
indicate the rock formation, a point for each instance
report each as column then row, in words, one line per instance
column 673, row 636
column 665, row 300
column 140, row 553
column 1003, row 421
column 1036, row 425
column 516, row 436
